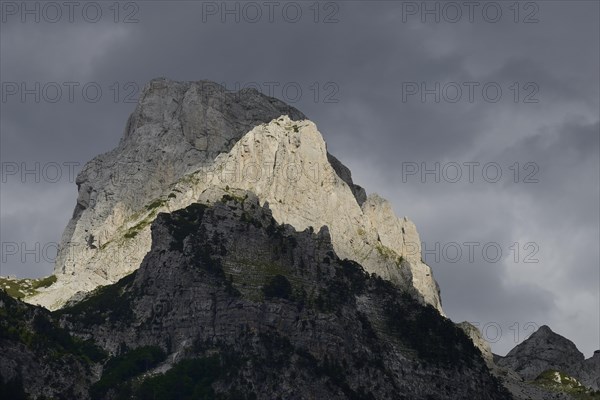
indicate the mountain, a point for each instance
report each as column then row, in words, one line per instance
column 187, row 137
column 543, row 350
column 546, row 350
column 221, row 252
column 230, row 304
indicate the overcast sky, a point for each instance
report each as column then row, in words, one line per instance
column 501, row 98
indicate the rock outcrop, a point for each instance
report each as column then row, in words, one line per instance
column 279, row 309
column 185, row 138
column 590, row 371
column 478, row 340
column 546, row 350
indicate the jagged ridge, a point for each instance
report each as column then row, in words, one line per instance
column 294, row 319
column 183, row 139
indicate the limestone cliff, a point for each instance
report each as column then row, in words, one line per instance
column 185, row 138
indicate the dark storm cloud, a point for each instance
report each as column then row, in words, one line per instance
column 354, row 76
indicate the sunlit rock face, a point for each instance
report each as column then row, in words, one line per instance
column 186, row 139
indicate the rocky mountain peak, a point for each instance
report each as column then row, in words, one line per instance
column 547, row 338
column 208, row 116
column 545, row 331
column 546, row 350
column 187, row 138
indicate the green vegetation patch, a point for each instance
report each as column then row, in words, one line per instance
column 20, row 288
column 44, row 282
column 558, row 381
column 388, row 253
column 153, row 210
column 134, row 230
column 231, row 197
column 155, row 204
